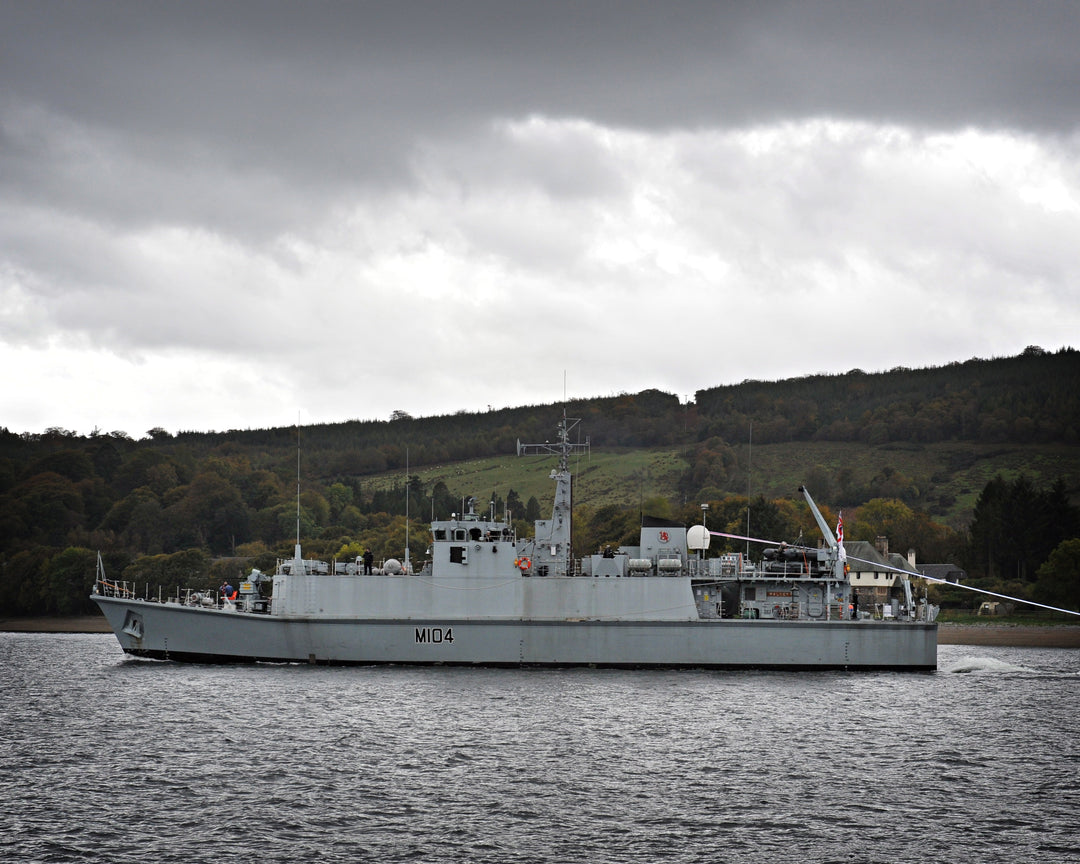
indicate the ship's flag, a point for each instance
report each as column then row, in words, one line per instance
column 840, row 535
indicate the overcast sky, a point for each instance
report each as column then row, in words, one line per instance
column 230, row 215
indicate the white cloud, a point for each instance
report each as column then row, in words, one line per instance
column 523, row 248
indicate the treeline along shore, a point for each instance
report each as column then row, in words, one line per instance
column 974, row 464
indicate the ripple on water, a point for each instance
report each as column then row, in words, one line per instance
column 104, row 758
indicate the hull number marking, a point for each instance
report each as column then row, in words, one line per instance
column 434, row 635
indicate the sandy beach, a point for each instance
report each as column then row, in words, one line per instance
column 80, row 624
column 1059, row 636
column 1055, row 636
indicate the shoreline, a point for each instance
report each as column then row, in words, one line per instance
column 74, row 624
column 1008, row 635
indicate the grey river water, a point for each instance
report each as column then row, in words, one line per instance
column 109, row 759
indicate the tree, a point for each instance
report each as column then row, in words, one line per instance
column 23, row 585
column 162, row 478
column 890, row 483
column 188, row 568
column 416, row 497
column 146, row 528
column 514, row 504
column 338, row 496
column 73, row 464
column 48, row 506
column 1059, row 576
column 883, row 517
column 210, row 513
column 261, row 489
column 710, row 465
column 280, row 522
column 905, row 529
column 657, row 506
column 136, row 470
column 1015, row 527
column 70, row 578
column 1058, row 519
column 767, row 520
column 443, row 501
column 610, row 525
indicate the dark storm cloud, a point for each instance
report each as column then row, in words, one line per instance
column 257, row 115
column 283, row 75
column 231, row 99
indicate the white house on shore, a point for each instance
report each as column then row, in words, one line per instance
column 875, row 573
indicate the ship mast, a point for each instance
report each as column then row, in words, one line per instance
column 556, row 534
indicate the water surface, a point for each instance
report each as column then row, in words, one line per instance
column 108, row 758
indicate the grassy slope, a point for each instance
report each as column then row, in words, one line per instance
column 951, row 475
column 618, row 477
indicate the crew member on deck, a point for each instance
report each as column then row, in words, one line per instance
column 368, row 559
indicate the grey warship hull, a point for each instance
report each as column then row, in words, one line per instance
column 171, row 631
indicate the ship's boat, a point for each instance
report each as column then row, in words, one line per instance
column 488, row 597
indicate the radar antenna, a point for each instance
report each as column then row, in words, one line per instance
column 563, row 447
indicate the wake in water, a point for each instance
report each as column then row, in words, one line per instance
column 988, row 665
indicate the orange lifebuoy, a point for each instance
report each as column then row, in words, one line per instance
column 524, row 563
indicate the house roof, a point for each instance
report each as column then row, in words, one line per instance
column 950, row 572
column 900, row 562
column 863, row 557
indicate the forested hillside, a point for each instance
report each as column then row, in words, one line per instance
column 1023, row 399
column 904, row 452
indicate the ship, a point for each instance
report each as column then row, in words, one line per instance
column 486, row 597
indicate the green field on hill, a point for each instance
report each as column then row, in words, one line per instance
column 947, row 477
